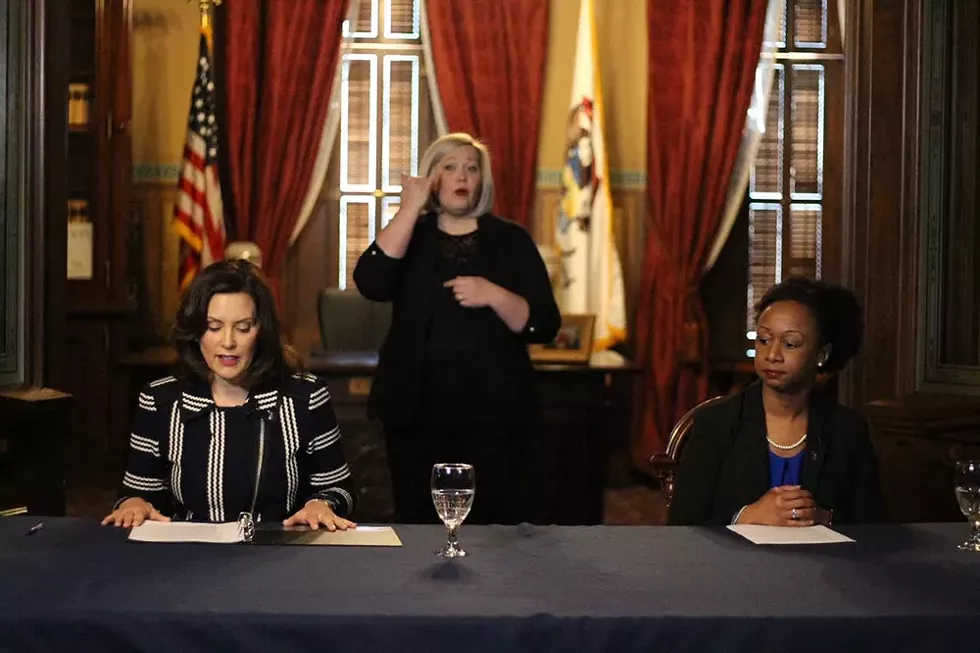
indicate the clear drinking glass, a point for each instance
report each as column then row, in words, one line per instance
column 968, row 496
column 453, row 488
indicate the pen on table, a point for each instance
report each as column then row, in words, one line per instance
column 35, row 528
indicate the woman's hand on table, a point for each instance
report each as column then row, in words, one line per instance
column 317, row 513
column 785, row 505
column 133, row 512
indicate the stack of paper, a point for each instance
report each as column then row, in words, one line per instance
column 155, row 531
column 230, row 533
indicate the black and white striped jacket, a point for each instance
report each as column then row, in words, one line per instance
column 195, row 461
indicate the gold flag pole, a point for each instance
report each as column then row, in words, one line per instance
column 207, row 15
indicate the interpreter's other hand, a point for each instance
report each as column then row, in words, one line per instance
column 133, row 512
column 785, row 505
column 415, row 193
column 473, row 292
column 317, row 513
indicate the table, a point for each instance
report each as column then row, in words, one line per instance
column 77, row 586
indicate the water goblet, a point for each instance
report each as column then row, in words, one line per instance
column 968, row 496
column 453, row 488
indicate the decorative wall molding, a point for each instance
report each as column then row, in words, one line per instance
column 550, row 178
column 155, row 173
column 162, row 21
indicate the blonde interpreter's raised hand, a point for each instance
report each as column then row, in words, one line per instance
column 415, row 193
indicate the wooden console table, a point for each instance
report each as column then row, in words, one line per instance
column 32, row 449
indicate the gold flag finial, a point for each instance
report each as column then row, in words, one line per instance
column 207, row 12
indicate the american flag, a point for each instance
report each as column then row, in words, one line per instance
column 199, row 213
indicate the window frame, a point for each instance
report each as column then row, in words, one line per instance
column 794, row 57
column 384, row 47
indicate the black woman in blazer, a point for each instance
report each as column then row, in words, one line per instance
column 454, row 381
column 725, row 467
column 783, row 452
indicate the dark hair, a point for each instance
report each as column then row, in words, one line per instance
column 274, row 359
column 835, row 309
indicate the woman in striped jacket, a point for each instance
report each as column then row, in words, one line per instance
column 240, row 429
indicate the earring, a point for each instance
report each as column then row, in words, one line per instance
column 820, row 363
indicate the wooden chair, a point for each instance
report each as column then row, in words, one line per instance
column 665, row 464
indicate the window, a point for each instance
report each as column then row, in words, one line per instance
column 385, row 121
column 790, row 197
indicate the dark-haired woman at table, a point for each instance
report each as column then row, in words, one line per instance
column 241, row 429
column 782, row 452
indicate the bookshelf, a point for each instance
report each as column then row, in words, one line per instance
column 99, row 154
column 101, row 293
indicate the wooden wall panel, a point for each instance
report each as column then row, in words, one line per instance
column 911, row 173
column 949, row 306
column 902, row 151
column 881, row 218
column 161, row 247
column 310, row 267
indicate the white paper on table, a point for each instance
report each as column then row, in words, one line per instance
column 789, row 534
column 154, row 531
column 360, row 536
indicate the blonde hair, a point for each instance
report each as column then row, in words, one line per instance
column 443, row 146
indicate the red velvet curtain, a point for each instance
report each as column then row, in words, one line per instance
column 702, row 60
column 490, row 62
column 280, row 62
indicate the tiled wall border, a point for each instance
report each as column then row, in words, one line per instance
column 157, row 173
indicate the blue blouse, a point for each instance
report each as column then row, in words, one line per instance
column 785, row 471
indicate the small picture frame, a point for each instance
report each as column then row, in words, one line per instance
column 573, row 344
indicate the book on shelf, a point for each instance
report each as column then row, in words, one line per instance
column 78, row 106
column 78, row 210
column 80, row 241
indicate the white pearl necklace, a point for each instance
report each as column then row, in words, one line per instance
column 786, row 447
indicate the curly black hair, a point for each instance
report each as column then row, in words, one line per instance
column 835, row 309
column 274, row 359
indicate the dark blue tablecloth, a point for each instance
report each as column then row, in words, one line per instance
column 78, row 587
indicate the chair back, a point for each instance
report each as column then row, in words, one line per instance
column 350, row 322
column 665, row 464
